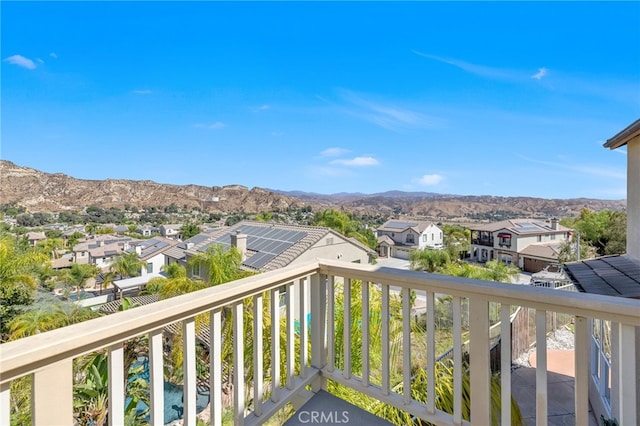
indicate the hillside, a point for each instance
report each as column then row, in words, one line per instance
column 38, row 191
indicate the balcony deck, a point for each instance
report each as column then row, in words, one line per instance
column 271, row 364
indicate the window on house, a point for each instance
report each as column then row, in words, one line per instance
column 433, row 237
column 329, row 241
column 539, row 238
column 441, row 235
column 195, row 270
column 424, row 238
column 409, row 238
column 149, row 268
column 553, row 236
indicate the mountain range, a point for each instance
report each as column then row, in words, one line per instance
column 54, row 192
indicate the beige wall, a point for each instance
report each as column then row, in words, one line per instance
column 633, row 197
column 322, row 250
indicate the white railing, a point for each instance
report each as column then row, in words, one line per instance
column 301, row 363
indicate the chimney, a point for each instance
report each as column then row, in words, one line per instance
column 554, row 224
column 239, row 241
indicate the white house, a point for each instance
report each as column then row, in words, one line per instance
column 396, row 238
column 152, row 251
column 171, row 231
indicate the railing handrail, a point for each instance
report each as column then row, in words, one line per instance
column 26, row 355
column 617, row 309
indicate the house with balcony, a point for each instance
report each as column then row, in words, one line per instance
column 397, row 238
column 530, row 244
column 268, row 363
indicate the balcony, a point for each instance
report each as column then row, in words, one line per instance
column 488, row 242
column 283, row 357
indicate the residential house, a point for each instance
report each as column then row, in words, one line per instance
column 397, row 238
column 146, row 230
column 268, row 246
column 530, row 244
column 152, row 251
column 171, row 231
column 100, row 250
column 34, row 237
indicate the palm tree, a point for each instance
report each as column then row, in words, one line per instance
column 127, row 264
column 219, row 266
column 18, row 282
column 428, row 260
column 78, row 276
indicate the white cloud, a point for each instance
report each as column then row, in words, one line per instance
column 40, row 61
column 542, row 72
column 480, row 70
column 216, row 125
column 357, row 162
column 334, row 152
column 21, row 61
column 53, row 55
column 430, row 180
column 143, row 92
column 261, row 108
column 387, row 116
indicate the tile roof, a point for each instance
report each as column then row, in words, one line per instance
column 521, row 227
column 396, row 225
column 610, row 275
column 155, row 246
column 305, row 238
column 544, row 250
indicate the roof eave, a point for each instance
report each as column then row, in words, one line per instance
column 624, row 136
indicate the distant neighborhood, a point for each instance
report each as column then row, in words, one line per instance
column 274, row 240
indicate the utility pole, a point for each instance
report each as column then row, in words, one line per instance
column 577, row 245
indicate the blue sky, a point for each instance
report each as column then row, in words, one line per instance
column 504, row 98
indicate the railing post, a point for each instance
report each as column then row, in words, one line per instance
column 581, row 384
column 627, row 375
column 5, row 403
column 156, row 374
column 541, row 368
column 116, row 385
column 479, row 361
column 318, row 293
column 238, row 364
column 215, row 381
column 52, row 395
column 505, row 363
column 190, row 378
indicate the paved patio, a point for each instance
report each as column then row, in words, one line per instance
column 560, row 382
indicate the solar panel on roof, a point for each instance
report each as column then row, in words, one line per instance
column 398, row 224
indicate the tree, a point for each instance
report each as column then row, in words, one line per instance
column 127, row 265
column 189, row 230
column 346, row 225
column 79, row 274
column 217, row 265
column 457, row 240
column 605, row 230
column 18, row 266
column 428, row 260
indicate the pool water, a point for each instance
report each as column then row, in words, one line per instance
column 173, row 396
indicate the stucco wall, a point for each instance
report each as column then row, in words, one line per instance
column 340, row 250
column 633, row 198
